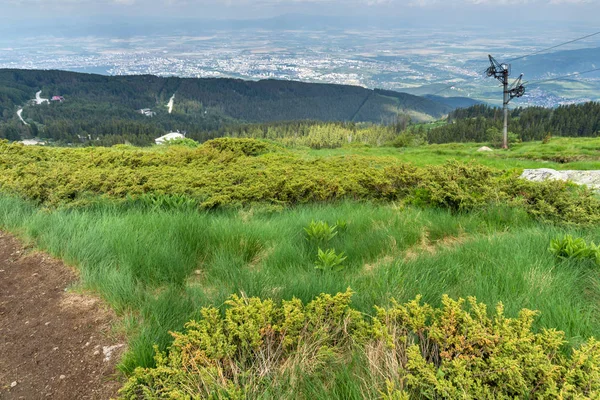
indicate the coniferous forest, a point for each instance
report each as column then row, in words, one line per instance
column 103, row 111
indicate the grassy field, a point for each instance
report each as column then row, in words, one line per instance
column 559, row 153
column 157, row 267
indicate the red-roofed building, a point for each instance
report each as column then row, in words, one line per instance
column 58, row 98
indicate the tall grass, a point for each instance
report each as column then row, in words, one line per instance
column 160, row 267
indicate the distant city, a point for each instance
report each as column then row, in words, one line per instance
column 408, row 60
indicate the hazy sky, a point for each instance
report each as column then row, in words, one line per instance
column 514, row 11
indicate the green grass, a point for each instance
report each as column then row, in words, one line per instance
column 158, row 268
column 567, row 153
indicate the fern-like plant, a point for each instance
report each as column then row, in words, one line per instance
column 576, row 248
column 167, row 201
column 320, row 231
column 569, row 247
column 341, row 225
column 329, row 260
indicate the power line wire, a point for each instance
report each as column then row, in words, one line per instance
column 562, row 77
column 554, row 47
column 423, row 98
column 525, row 56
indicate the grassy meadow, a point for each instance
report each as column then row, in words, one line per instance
column 559, row 154
column 158, row 263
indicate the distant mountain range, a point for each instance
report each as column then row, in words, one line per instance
column 202, row 103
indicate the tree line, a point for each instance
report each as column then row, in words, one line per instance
column 482, row 123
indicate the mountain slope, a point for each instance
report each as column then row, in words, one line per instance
column 99, row 106
column 251, row 101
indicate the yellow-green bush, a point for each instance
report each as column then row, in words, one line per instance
column 247, row 147
column 228, row 172
column 406, row 351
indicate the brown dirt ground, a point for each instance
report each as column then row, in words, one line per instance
column 52, row 341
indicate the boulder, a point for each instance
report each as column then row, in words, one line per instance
column 589, row 178
column 484, row 148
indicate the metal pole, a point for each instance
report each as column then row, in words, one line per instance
column 506, row 100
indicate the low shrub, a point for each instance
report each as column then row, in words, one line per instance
column 407, row 139
column 555, row 201
column 459, row 186
column 496, row 137
column 233, row 172
column 185, row 142
column 258, row 348
column 247, row 147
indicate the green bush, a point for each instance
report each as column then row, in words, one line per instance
column 258, row 348
column 496, row 137
column 185, row 142
column 247, row 147
column 234, row 172
column 459, row 186
column 407, row 139
column 555, row 201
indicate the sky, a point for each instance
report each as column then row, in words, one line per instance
column 506, row 12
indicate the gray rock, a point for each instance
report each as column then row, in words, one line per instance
column 589, row 178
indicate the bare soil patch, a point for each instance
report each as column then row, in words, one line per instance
column 52, row 341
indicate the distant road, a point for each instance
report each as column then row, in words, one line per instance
column 20, row 114
column 170, row 105
column 38, row 98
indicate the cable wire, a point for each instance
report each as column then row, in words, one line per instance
column 554, row 47
column 525, row 56
column 562, row 77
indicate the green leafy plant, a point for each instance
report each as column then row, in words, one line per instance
column 320, row 231
column 167, row 201
column 575, row 248
column 329, row 260
column 341, row 225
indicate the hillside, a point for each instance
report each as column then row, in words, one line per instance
column 453, row 102
column 264, row 247
column 558, row 63
column 97, row 105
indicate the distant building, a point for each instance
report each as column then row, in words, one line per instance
column 147, row 112
column 169, row 136
column 32, row 142
column 60, row 99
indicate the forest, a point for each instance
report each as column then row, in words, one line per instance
column 106, row 107
column 104, row 111
column 481, row 123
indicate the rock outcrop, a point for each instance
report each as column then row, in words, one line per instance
column 589, row 178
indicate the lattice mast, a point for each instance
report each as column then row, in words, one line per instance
column 517, row 89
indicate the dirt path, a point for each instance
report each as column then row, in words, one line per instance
column 53, row 343
column 39, row 100
column 171, row 102
column 20, row 115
